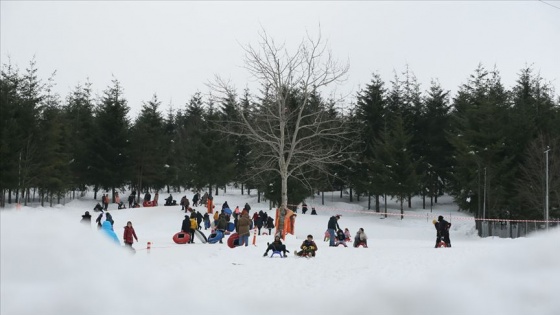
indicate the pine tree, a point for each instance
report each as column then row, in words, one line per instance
column 370, row 119
column 79, row 122
column 148, row 147
column 111, row 156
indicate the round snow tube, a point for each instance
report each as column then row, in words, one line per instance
column 233, row 240
column 231, row 227
column 215, row 237
column 182, row 237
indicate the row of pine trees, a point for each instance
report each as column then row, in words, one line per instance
column 485, row 146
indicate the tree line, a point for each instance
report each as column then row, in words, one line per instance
column 485, row 146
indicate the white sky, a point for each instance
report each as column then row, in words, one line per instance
column 173, row 48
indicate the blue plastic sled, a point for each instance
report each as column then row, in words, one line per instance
column 215, row 237
column 231, row 227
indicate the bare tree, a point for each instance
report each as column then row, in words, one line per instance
column 289, row 135
column 531, row 184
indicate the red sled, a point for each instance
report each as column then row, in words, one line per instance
column 181, row 237
column 152, row 203
column 233, row 240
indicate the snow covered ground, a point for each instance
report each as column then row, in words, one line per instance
column 52, row 264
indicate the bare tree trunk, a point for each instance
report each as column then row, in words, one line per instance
column 242, row 189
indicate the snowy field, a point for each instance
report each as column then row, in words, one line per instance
column 51, row 265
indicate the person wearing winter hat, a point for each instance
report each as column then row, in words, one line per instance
column 129, row 234
column 276, row 246
column 86, row 218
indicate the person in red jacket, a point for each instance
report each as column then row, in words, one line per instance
column 129, row 234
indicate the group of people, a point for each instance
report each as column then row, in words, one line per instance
column 106, row 227
column 336, row 236
column 308, row 247
column 244, row 223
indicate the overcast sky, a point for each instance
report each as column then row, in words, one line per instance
column 173, row 48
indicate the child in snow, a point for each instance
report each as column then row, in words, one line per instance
column 360, row 238
column 347, row 234
column 129, row 234
column 308, row 247
column 276, row 246
column 340, row 238
column 327, row 236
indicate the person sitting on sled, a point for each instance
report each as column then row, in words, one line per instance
column 347, row 234
column 308, row 247
column 276, row 246
column 360, row 238
column 340, row 238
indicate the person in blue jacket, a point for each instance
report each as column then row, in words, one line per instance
column 107, row 228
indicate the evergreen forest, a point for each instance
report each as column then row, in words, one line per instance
column 488, row 146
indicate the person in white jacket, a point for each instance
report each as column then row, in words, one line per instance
column 360, row 238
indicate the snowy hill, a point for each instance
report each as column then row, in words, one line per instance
column 52, row 264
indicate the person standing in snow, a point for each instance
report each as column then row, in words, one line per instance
column 129, row 234
column 109, row 217
column 130, row 201
column 243, row 224
column 195, row 199
column 443, row 229
column 269, row 224
column 206, row 219
column 332, row 227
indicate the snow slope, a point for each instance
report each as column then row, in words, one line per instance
column 52, row 264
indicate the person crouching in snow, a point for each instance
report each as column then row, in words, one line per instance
column 340, row 238
column 308, row 247
column 360, row 238
column 276, row 246
column 129, row 234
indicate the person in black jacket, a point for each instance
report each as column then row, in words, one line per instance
column 269, row 224
column 303, row 208
column 86, row 218
column 186, row 226
column 332, row 227
column 443, row 230
column 276, row 246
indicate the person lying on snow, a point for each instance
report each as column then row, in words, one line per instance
column 98, row 207
column 276, row 246
column 308, row 247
